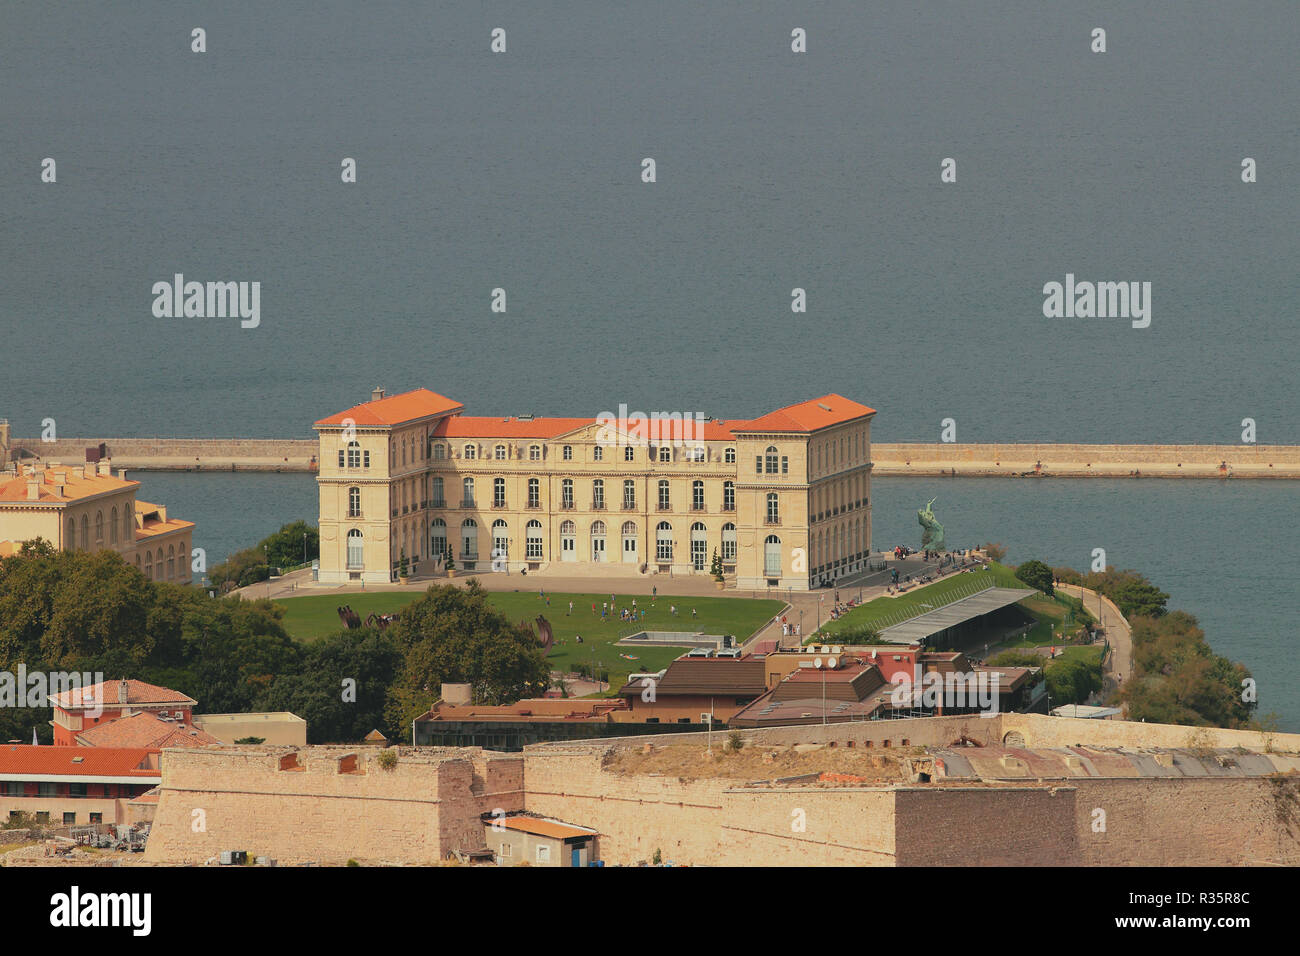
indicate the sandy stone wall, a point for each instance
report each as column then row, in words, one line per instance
column 185, row 454
column 1217, row 821
column 416, row 812
column 1040, row 731
column 987, row 826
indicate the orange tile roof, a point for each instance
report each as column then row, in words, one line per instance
column 462, row 426
column 810, row 416
column 145, row 730
column 396, row 409
column 549, row 828
column 75, row 486
column 152, row 529
column 87, row 761
column 138, row 692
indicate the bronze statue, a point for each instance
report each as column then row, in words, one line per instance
column 932, row 535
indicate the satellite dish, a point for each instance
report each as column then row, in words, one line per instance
column 837, row 650
column 817, row 662
column 833, row 663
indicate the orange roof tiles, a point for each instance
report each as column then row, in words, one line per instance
column 810, row 416
column 75, row 485
column 145, row 730
column 138, row 692
column 462, row 426
column 396, row 409
column 83, row 761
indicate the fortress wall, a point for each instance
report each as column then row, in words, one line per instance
column 1039, row 730
column 987, row 826
column 1078, row 460
column 1215, row 821
column 840, row 827
column 907, row 732
column 418, row 811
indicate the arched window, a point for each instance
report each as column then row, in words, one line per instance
column 534, row 452
column 598, row 541
column 171, row 562
column 437, row 538
column 728, row 543
column 533, row 541
column 128, row 522
column 773, row 508
column 772, row 460
column 500, row 542
column 699, row 546
column 772, row 557
column 85, row 535
column 354, row 502
column 467, row 493
column 664, row 542
column 99, row 528
column 439, row 451
column 112, row 525
column 729, row 456
column 470, row 451
column 356, row 549
column 568, row 453
column 698, row 454
column 148, row 565
column 469, row 539
column 598, row 454
column 499, row 453
column 354, row 454
column 568, row 541
column 72, row 534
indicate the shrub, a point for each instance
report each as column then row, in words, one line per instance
column 387, row 760
column 735, row 741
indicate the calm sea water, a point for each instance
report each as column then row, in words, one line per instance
column 819, row 171
column 775, row 171
column 1181, row 533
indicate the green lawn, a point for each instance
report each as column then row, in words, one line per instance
column 307, row 618
column 884, row 611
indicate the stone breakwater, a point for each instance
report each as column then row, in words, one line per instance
column 1045, row 460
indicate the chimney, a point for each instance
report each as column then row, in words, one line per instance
column 123, row 691
column 376, row 394
column 106, row 467
column 33, row 489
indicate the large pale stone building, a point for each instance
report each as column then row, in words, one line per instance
column 784, row 499
column 84, row 507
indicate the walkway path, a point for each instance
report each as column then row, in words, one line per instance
column 1119, row 663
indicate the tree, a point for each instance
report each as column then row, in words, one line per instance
column 453, row 635
column 403, row 566
column 1037, row 575
column 1132, row 593
column 341, row 687
column 996, row 552
column 450, row 563
column 716, row 568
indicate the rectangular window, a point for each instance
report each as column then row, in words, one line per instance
column 629, row 495
column 69, row 818
column 758, row 464
column 598, row 496
column 629, row 453
column 598, row 454
column 568, row 453
column 77, row 789
column 785, row 465
column 46, row 789
column 97, row 818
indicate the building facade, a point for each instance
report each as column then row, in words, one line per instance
column 86, row 508
column 783, row 500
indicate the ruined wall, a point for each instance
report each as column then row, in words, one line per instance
column 840, row 827
column 1041, row 731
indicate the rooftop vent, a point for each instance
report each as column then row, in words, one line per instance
column 823, row 407
column 376, row 394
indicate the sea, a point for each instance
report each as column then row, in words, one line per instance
column 782, row 179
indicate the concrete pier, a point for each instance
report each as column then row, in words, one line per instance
column 891, row 459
